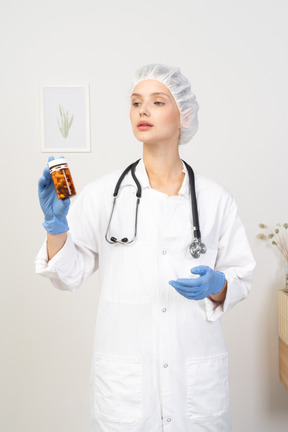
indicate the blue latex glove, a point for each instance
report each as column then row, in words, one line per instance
column 54, row 209
column 209, row 282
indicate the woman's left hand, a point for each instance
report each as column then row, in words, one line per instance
column 209, row 282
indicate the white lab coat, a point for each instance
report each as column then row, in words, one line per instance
column 160, row 361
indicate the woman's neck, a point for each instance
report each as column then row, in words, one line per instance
column 164, row 169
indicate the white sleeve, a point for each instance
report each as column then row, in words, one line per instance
column 78, row 258
column 234, row 259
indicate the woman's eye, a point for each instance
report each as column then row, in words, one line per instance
column 137, row 104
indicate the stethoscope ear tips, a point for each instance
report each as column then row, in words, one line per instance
column 123, row 240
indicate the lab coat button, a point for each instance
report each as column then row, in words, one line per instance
column 164, row 252
column 165, row 365
column 164, row 310
column 168, row 419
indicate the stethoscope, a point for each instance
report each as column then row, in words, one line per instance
column 196, row 248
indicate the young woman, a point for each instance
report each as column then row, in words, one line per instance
column 160, row 361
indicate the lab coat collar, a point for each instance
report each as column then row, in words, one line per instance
column 143, row 178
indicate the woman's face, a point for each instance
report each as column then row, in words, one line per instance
column 153, row 104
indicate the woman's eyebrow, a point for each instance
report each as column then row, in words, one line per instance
column 152, row 94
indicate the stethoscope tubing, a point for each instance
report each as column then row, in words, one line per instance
column 125, row 241
column 196, row 248
column 196, row 226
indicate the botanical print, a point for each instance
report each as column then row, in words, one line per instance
column 65, row 118
column 64, row 124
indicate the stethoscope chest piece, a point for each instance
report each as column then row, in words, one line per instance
column 197, row 248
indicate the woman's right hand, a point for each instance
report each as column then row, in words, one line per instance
column 54, row 209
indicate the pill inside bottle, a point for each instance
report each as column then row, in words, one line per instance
column 62, row 178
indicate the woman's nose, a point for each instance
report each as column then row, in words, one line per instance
column 144, row 111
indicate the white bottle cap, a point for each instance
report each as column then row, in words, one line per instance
column 54, row 162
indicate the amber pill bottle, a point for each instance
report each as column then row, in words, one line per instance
column 62, row 178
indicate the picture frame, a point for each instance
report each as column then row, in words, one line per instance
column 65, row 118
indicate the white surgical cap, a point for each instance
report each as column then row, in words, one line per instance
column 180, row 88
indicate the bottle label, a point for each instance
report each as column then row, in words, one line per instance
column 58, row 167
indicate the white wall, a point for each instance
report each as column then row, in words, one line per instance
column 235, row 55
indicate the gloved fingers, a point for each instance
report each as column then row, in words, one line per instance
column 61, row 207
column 200, row 270
column 188, row 293
column 64, row 205
column 188, row 289
column 184, row 294
column 42, row 182
column 186, row 283
column 45, row 180
column 198, row 295
column 66, row 202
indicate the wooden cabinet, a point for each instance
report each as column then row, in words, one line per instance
column 283, row 336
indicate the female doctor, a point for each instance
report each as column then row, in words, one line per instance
column 160, row 361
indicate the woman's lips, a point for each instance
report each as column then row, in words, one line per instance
column 143, row 126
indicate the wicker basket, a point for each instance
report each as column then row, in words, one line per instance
column 283, row 315
column 283, row 336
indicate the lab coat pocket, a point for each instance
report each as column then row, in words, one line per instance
column 207, row 387
column 117, row 389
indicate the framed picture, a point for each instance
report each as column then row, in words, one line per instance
column 65, row 118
